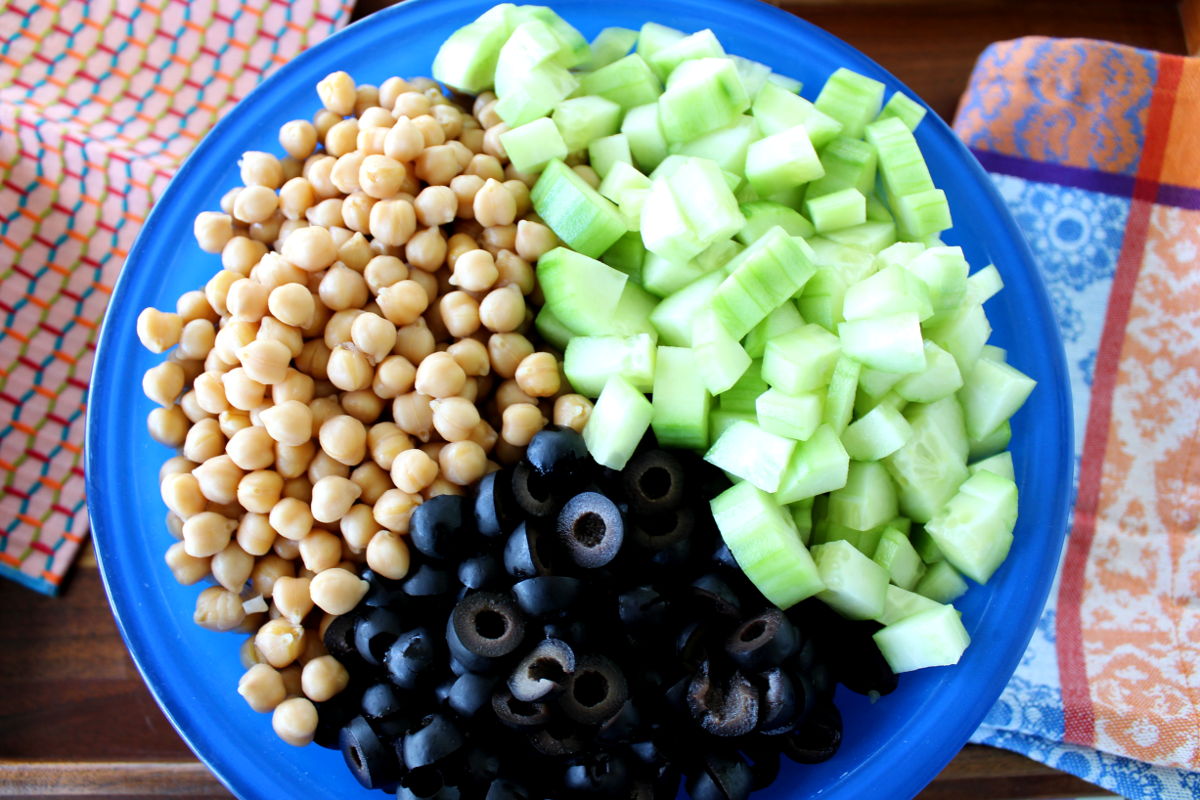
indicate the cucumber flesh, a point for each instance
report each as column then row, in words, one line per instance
column 820, row 465
column 721, row 357
column 628, row 82
column 904, row 108
column 896, row 554
column 901, row 604
column 991, row 394
column 575, row 211
column 581, row 292
column 867, row 501
column 701, row 44
column 680, row 400
column 608, row 46
column 617, row 423
column 795, row 416
column 974, row 529
column 762, row 215
column 855, row 586
column 645, row 136
column 752, row 454
column 533, row 145
column 673, row 317
column 852, row 99
column 782, row 161
column 582, row 120
column 466, row 61
column 931, row 465
column 877, row 434
column 761, row 278
column 552, row 329
column 839, row 399
column 932, row 638
column 607, row 151
column 1001, row 464
column 941, row 582
column 702, row 95
column 780, row 321
column 891, row 343
column 801, row 360
column 590, row 361
column 939, row 379
column 743, row 395
column 627, row 255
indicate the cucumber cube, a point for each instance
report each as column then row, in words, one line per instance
column 617, row 423
column 891, row 343
column 1001, row 464
column 922, row 214
column 702, row 95
column 551, row 328
column 896, row 554
column 962, row 334
column 702, row 44
column 780, row 321
column 974, row 530
column 681, row 400
column 826, row 530
column 603, row 153
column 743, row 395
column 766, row 545
column 646, row 140
column 581, row 292
column 932, row 464
column 892, row 290
column 939, row 379
column 609, row 45
column 673, row 317
column 852, row 99
column 726, row 146
column 777, row 109
column 944, row 272
column 761, row 278
column 532, row 145
column 542, row 88
column 795, row 416
column 819, row 465
column 903, row 254
column 839, row 399
column 590, row 361
column 802, row 513
column 762, row 215
column 783, row 81
column 905, row 109
column 582, row 120
column 654, row 37
column 871, row 236
column 849, row 164
column 752, row 73
column 621, row 178
column 983, row 285
column 880, row 432
column 575, row 211
column 838, row 210
column 802, row 360
column 722, row 359
column 628, row 81
column 752, row 454
column 901, row 165
column 933, row 638
column 633, row 311
column 941, row 582
column 720, row 421
column 926, row 548
column 901, row 604
column 855, row 586
column 705, row 198
column 992, row 393
column 868, row 500
column 466, row 61
column 782, row 161
column 531, row 44
column 627, row 255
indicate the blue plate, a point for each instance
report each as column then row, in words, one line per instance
column 891, row 749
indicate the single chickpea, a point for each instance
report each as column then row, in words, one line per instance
column 323, row 678
column 291, row 676
column 538, row 375
column 255, row 204
column 260, row 490
column 502, row 310
column 319, row 174
column 167, row 426
column 472, row 138
column 499, row 237
column 332, row 497
column 485, row 166
column 493, row 143
column 342, row 138
column 231, row 567
column 289, row 422
column 194, row 305
column 291, row 597
column 450, row 118
column 381, row 176
column 413, row 470
column 411, row 104
column 514, row 271
column 373, row 335
column 265, row 361
column 157, row 330
column 428, row 281
column 534, row 240
column 439, row 375
column 383, row 271
column 242, row 391
column 435, row 205
column 326, row 214
column 372, row 480
column 251, row 448
column 187, row 569
column 323, row 409
column 296, row 386
column 336, row 590
column 298, row 138
column 465, row 188
column 510, row 392
column 393, row 221
column 366, row 98
column 280, row 642
column 356, row 253
column 572, row 411
column 314, row 359
column 262, row 687
column 414, row 341
column 204, row 441
column 233, row 420
column 459, row 313
column 218, row 609
column 344, row 438
column 296, row 198
column 403, row 302
column 218, row 478
column 342, row 288
column 462, row 463
column 364, row 405
column 357, row 527
column 337, row 329
column 212, row 230
column 507, row 351
column 388, row 555
column 196, row 339
column 376, row 118
column 493, row 204
column 385, row 440
column 261, row 170
column 471, row 355
column 163, row 382
column 437, row 165
column 349, row 369
column 426, row 249
column 394, row 376
column 337, row 93
column 475, row 271
column 254, row 534
column 207, row 533
column 175, row 465
column 454, row 418
column 312, row 249
column 181, row 494
column 442, row 486
column 217, row 288
column 267, row 231
column 291, row 304
column 267, row 570
column 392, row 88
column 521, row 422
column 291, row 518
column 403, row 141
column 520, row 193
column 320, row 550
column 298, row 487
column 394, row 508
column 485, row 436
column 431, row 130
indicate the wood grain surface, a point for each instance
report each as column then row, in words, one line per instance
column 76, row 719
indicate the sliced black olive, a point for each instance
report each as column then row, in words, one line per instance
column 653, row 481
column 691, row 645
column 547, row 596
column 621, row 726
column 502, row 789
column 763, row 641
column 435, row 739
column 559, row 455
column 411, row 659
column 596, row 691
column 372, row 763
column 575, row 632
column 426, row 783
column 482, row 764
column 818, row 738
column 779, row 705
column 544, row 671
column 470, row 693
column 591, row 529
column 441, row 526
column 483, row 627
column 383, row 700
column 557, row 741
column 339, row 638
column 726, row 776
column 714, row 597
column 429, row 581
column 642, row 608
column 647, row 752
column 381, row 591
column 603, row 774
column 518, row 713
column 532, row 493
column 522, row 554
column 723, row 556
column 333, row 714
column 377, row 628
column 859, row 665
column 723, row 708
column 482, row 572
column 495, row 509
column 676, row 695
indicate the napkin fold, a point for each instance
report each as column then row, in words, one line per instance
column 1095, row 148
column 99, row 105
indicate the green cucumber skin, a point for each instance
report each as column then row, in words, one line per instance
column 575, row 211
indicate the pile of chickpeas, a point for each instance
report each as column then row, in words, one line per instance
column 364, row 347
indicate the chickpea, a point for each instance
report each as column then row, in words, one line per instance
column 342, row 138
column 265, row 362
column 465, row 187
column 167, row 426
column 204, row 441
column 394, row 508
column 493, row 143
column 435, row 205
column 255, row 204
column 403, row 141
column 196, row 339
column 572, row 411
column 231, row 567
column 383, row 271
column 206, row 533
column 521, row 422
column 356, row 253
column 291, row 518
column 520, row 193
column 510, row 392
column 320, row 550
column 292, row 461
column 181, row 494
column 311, row 249
column 374, row 336
column 217, row 479
column 386, row 440
column 414, row 341
column 364, row 405
column 380, row 176
column 454, row 418
column 233, row 420
column 403, row 302
column 314, row 359
column 251, row 448
column 332, row 497
column 212, row 230
column 534, row 240
column 472, row 138
column 475, row 271
column 387, row 555
column 260, row 490
column 494, row 204
column 411, row 104
column 323, row 678
column 298, row 138
column 439, row 375
column 337, row 329
column 413, row 470
column 280, row 642
column 324, row 409
column 289, row 422
column 344, row 438
column 507, row 351
column 255, row 534
column 437, row 165
column 269, row 568
column 459, row 313
column 218, row 609
column 187, row 569
column 462, row 463
column 163, row 382
column 336, row 590
column 502, row 310
column 157, row 330
column 295, row 386
column 393, row 221
column 262, row 688
column 392, row 88
column 194, row 305
column 349, row 370
column 358, row 526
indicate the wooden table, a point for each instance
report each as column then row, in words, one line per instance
column 75, row 718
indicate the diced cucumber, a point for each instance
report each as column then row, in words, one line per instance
column 925, row 546
column 944, row 272
column 993, row 353
column 532, row 145
column 892, row 290
column 780, row 321
column 743, row 395
column 582, row 120
column 901, row 165
column 839, row 400
column 782, row 161
column 941, row 582
column 705, row 199
column 753, row 74
column 849, row 164
column 590, row 361
column 991, row 394
column 1001, row 464
column 674, row 316
column 551, row 328
column 720, row 421
column 891, row 343
column 618, row 421
column 826, row 530
column 904, row 108
column 604, row 152
column 620, row 179
column 721, row 357
column 628, row 82
column 680, row 399
column 575, row 211
column 654, row 37
column 933, row 638
column 962, row 334
column 762, row 215
column 726, row 146
column 820, row 465
column 821, row 300
column 880, row 432
column 852, row 99
column 531, row 44
column 466, row 61
column 761, row 278
column 835, row 211
column 901, row 604
column 627, row 255
column 633, row 311
column 542, row 88
column 922, row 214
column 896, row 554
column 877, row 211
column 974, row 530
column 801, row 360
column 983, row 285
column 802, row 514
column 868, row 500
column 874, row 384
column 581, row 292
column 609, row 45
column 795, row 416
column 702, row 95
column 994, row 442
column 766, row 545
column 902, row 254
column 851, row 263
column 645, row 136
column 932, row 464
column 902, row 524
column 855, row 586
column 939, row 379
column 871, row 236
column 776, row 109
column 753, row 454
column 701, row 44
column 784, row 82
column 577, row 47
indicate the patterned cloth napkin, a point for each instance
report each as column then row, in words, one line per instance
column 99, row 104
column 1095, row 148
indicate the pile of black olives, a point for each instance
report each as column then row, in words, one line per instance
column 571, row 631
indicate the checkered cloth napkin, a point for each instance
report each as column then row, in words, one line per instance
column 99, row 104
column 1096, row 150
